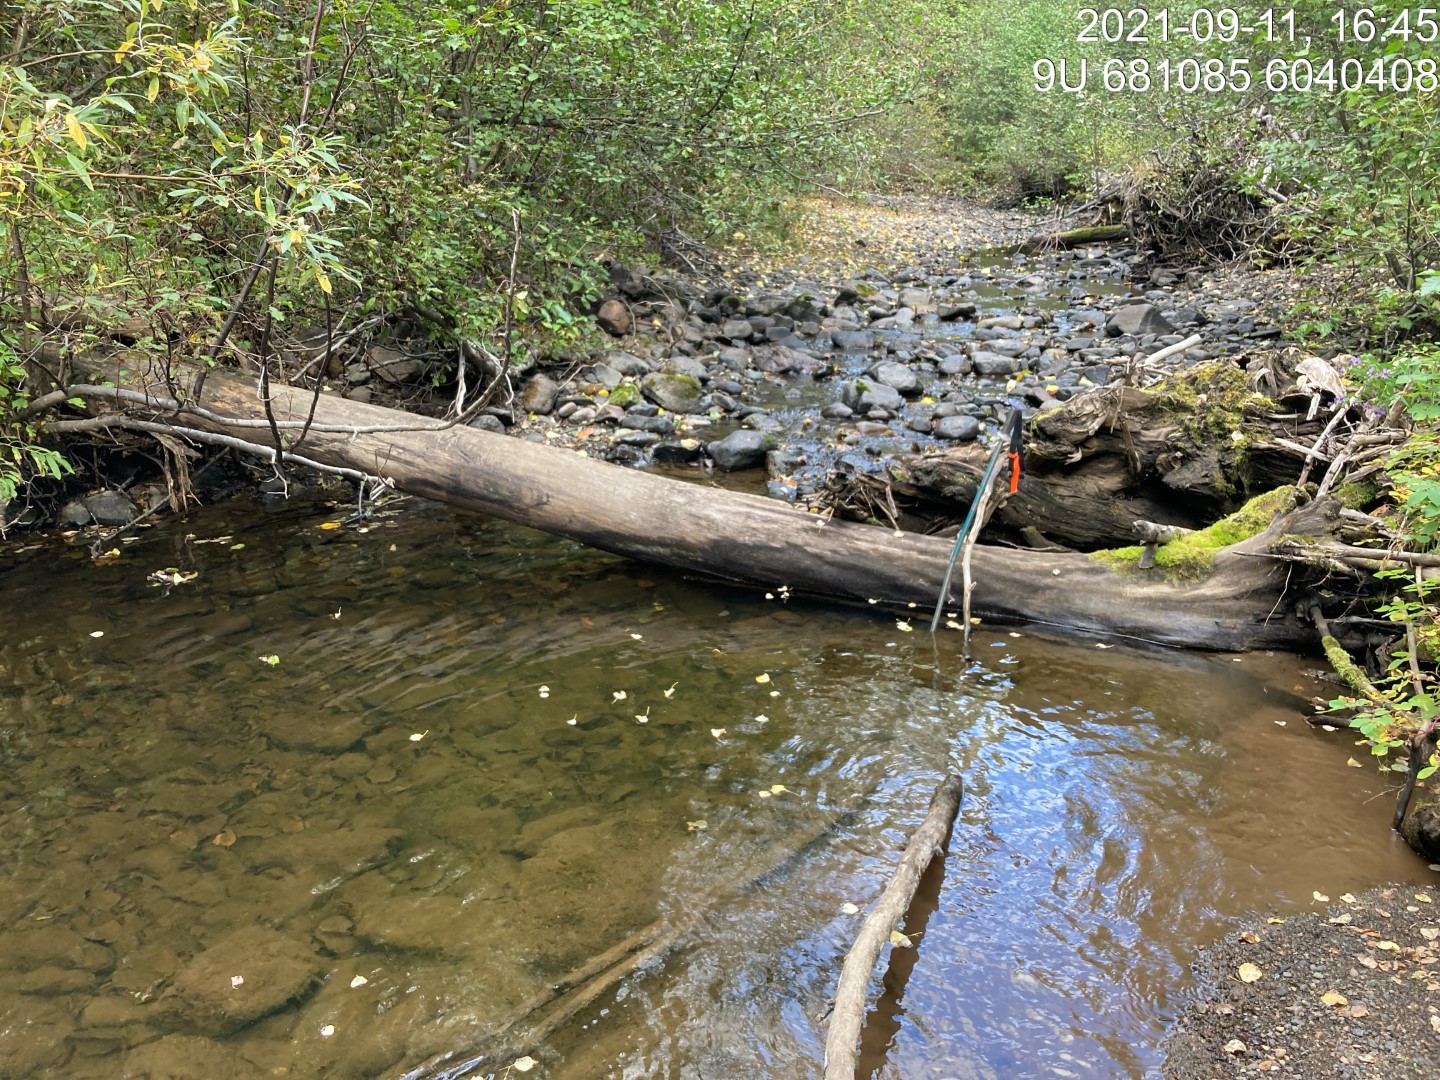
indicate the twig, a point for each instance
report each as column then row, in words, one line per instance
column 929, row 840
column 1340, row 411
column 1171, row 350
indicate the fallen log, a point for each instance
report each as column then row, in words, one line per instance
column 1087, row 234
column 929, row 840
column 744, row 538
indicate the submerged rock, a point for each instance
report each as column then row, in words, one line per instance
column 248, row 975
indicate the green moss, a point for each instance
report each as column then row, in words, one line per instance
column 625, row 395
column 1192, row 557
column 1358, row 496
column 1209, row 400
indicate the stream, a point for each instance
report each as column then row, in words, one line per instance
column 433, row 763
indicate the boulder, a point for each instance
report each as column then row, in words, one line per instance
column 852, row 340
column 960, row 428
column 743, row 449
column 1137, row 319
column 737, row 330
column 392, row 365
column 486, row 422
column 627, row 363
column 897, row 375
column 614, row 317
column 992, row 364
column 539, row 395
column 862, row 396
column 677, row 393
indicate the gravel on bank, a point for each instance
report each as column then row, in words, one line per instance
column 1350, row 992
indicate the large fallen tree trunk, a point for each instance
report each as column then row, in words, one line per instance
column 745, row 538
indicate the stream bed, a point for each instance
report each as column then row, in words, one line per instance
column 398, row 779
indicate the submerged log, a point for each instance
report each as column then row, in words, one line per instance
column 748, row 538
column 929, row 840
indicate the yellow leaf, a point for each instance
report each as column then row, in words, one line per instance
column 257, row 196
column 1387, row 946
column 1320, row 897
column 1249, row 973
column 77, row 133
column 330, row 525
column 225, row 839
column 697, row 826
column 1423, row 898
column 153, row 90
column 1334, row 997
column 323, row 280
column 762, row 678
column 900, row 940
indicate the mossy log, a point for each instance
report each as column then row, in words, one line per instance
column 1088, row 234
column 748, row 538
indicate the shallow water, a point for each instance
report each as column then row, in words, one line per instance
column 436, row 786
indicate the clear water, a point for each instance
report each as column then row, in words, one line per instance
column 162, row 786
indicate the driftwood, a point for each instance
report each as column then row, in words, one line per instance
column 929, row 840
column 744, row 538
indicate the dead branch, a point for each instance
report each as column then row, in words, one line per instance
column 929, row 840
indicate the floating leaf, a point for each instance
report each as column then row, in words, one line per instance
column 643, row 718
column 1353, row 763
column 671, row 692
column 357, row 981
column 524, row 1064
column 331, row 525
column 903, row 626
column 718, row 732
column 237, row 981
column 272, row 659
column 776, row 789
column 97, row 633
column 1249, row 973
column 762, row 678
column 899, row 940
column 327, row 1031
column 619, row 695
column 573, row 720
column 544, row 691
column 418, row 735
column 951, row 624
column 697, row 826
column 849, row 908
column 638, row 637
column 1320, row 897
column 1333, row 998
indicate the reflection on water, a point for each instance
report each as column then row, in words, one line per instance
column 483, row 757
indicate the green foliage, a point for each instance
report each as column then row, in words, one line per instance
column 21, row 455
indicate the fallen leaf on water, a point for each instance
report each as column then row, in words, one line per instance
column 327, row 1031
column 573, row 720
column 637, row 637
column 718, row 732
column 899, row 939
column 951, row 624
column 671, row 692
column 1249, row 973
column 619, row 695
column 762, row 678
column 418, row 735
column 97, row 633
column 358, row 980
column 776, row 789
column 849, row 908
column 903, row 626
column 1353, row 763
column 761, row 718
column 1320, row 897
column 1235, row 1046
column 1102, row 645
column 544, row 691
column 237, row 981
column 272, row 659
column 224, row 839
column 330, row 525
column 643, row 718
column 1334, row 997
column 697, row 826
column 524, row 1064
